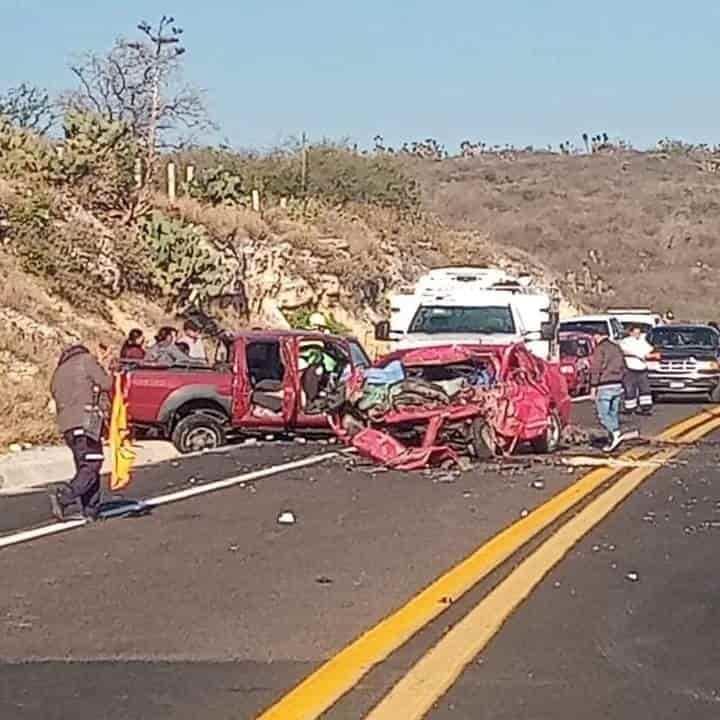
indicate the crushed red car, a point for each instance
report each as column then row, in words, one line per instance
column 576, row 349
column 262, row 381
column 419, row 407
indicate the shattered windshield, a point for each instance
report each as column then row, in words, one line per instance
column 481, row 320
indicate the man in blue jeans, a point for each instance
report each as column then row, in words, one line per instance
column 607, row 369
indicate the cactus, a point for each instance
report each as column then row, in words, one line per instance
column 188, row 269
column 22, row 153
column 218, row 186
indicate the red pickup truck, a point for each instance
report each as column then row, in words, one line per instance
column 258, row 382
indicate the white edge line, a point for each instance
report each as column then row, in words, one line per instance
column 229, row 482
column 60, row 527
column 35, row 533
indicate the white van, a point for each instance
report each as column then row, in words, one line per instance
column 476, row 299
column 469, row 318
column 468, row 297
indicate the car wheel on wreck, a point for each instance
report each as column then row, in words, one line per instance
column 197, row 432
column 549, row 441
column 483, row 443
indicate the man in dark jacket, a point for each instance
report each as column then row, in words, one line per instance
column 607, row 369
column 78, row 383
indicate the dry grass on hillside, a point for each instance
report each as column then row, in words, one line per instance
column 34, row 328
column 647, row 224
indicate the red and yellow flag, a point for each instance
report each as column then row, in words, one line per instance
column 121, row 451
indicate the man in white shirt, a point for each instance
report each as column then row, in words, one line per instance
column 636, row 348
column 191, row 337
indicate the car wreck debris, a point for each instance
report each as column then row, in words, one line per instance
column 429, row 406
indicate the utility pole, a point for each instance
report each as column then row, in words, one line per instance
column 304, row 158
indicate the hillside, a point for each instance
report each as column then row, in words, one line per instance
column 625, row 228
column 87, row 253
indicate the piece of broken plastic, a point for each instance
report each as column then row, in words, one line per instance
column 123, row 508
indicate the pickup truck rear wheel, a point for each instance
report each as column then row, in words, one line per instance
column 549, row 441
column 197, row 432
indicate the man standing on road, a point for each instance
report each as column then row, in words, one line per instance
column 78, row 384
column 607, row 369
column 636, row 348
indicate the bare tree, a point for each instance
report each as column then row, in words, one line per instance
column 29, row 107
column 140, row 83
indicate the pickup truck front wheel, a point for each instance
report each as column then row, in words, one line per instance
column 549, row 441
column 198, row 432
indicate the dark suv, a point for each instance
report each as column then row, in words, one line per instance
column 685, row 360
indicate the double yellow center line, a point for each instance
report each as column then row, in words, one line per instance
column 430, row 678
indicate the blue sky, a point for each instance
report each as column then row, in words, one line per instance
column 519, row 71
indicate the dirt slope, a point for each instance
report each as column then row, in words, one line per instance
column 621, row 229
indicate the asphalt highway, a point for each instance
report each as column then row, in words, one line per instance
column 208, row 607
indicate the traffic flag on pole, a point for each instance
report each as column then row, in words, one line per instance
column 121, row 450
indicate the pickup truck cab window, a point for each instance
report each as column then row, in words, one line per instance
column 358, row 355
column 224, row 352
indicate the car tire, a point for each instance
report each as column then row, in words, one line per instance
column 715, row 394
column 197, row 432
column 482, row 440
column 549, row 441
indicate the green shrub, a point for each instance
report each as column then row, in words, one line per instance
column 187, row 269
column 24, row 155
column 217, row 186
column 98, row 160
column 300, row 320
column 335, row 174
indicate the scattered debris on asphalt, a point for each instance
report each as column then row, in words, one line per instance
column 324, row 580
column 632, row 576
column 538, row 484
column 286, row 518
column 524, row 513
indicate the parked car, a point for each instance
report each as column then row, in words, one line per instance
column 487, row 399
column 575, row 351
column 592, row 324
column 685, row 361
column 258, row 382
